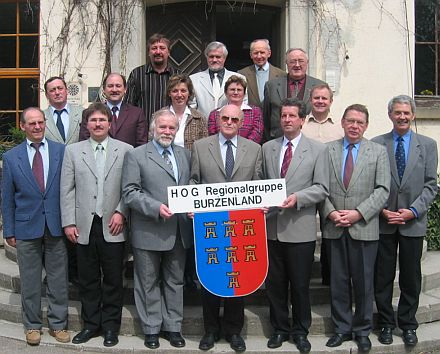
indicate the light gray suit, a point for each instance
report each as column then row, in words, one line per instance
column 75, row 117
column 252, row 87
column 274, row 92
column 158, row 244
column 204, row 98
column 292, row 232
column 352, row 251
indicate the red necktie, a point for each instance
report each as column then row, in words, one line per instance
column 348, row 169
column 37, row 166
column 286, row 160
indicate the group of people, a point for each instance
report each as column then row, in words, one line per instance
column 99, row 177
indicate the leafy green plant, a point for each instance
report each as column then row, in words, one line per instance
column 15, row 137
column 433, row 232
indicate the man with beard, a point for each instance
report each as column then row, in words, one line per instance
column 146, row 86
column 159, row 237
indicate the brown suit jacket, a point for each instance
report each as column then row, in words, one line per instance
column 130, row 127
column 252, row 87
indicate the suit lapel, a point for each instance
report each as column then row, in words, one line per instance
column 275, row 157
column 414, row 153
column 240, row 155
column 361, row 160
column 214, row 149
column 112, row 156
column 25, row 167
column 180, row 162
column 159, row 160
column 389, row 141
column 205, row 80
column 282, row 88
column 123, row 114
column 74, row 119
column 336, row 156
column 88, row 156
column 54, row 161
column 50, row 125
column 252, row 83
column 298, row 157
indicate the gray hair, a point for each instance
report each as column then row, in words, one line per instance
column 27, row 110
column 293, row 49
column 404, row 99
column 266, row 41
column 216, row 45
column 160, row 113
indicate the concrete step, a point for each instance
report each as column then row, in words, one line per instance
column 428, row 334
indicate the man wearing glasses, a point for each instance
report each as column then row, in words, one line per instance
column 224, row 157
column 296, row 84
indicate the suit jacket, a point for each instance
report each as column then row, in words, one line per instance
column 130, row 127
column 204, row 98
column 308, row 178
column 419, row 183
column 250, row 74
column 145, row 179
column 207, row 164
column 79, row 188
column 274, row 92
column 75, row 118
column 27, row 211
column 367, row 191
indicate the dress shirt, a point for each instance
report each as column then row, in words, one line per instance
column 406, row 142
column 354, row 153
column 64, row 117
column 224, row 146
column 262, row 75
column 44, row 151
column 220, row 75
column 323, row 131
column 110, row 106
column 173, row 160
column 104, row 144
column 180, row 135
column 291, row 85
column 294, row 142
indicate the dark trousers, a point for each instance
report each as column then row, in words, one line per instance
column 290, row 265
column 410, row 276
column 233, row 313
column 352, row 266
column 101, row 300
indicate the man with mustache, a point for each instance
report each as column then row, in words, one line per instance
column 413, row 161
column 158, row 237
column 146, row 86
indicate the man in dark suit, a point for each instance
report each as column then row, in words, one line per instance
column 128, row 122
column 291, row 229
column 92, row 171
column 359, row 188
column 158, row 237
column 32, row 224
column 295, row 84
column 260, row 72
column 209, row 165
column 413, row 161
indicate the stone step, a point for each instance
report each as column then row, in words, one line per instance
column 428, row 334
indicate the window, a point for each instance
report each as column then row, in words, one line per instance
column 427, row 68
column 19, row 60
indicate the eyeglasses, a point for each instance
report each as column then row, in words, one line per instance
column 234, row 120
column 296, row 62
column 360, row 123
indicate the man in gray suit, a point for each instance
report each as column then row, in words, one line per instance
column 413, row 161
column 295, row 84
column 291, row 228
column 158, row 237
column 260, row 72
column 220, row 158
column 93, row 217
column 209, row 85
column 359, row 188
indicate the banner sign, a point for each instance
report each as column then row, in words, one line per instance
column 231, row 251
column 226, row 196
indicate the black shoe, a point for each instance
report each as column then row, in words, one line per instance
column 175, row 338
column 110, row 338
column 363, row 342
column 386, row 336
column 409, row 337
column 208, row 340
column 151, row 341
column 84, row 336
column 237, row 343
column 302, row 343
column 276, row 340
column 337, row 339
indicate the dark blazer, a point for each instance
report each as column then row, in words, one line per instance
column 250, row 74
column 274, row 92
column 27, row 211
column 419, row 183
column 130, row 127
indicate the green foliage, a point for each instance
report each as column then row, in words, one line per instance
column 433, row 233
column 15, row 137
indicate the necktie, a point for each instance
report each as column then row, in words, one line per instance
column 165, row 156
column 60, row 124
column 115, row 109
column 295, row 88
column 37, row 166
column 100, row 165
column 348, row 169
column 229, row 162
column 286, row 160
column 216, row 90
column 400, row 157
